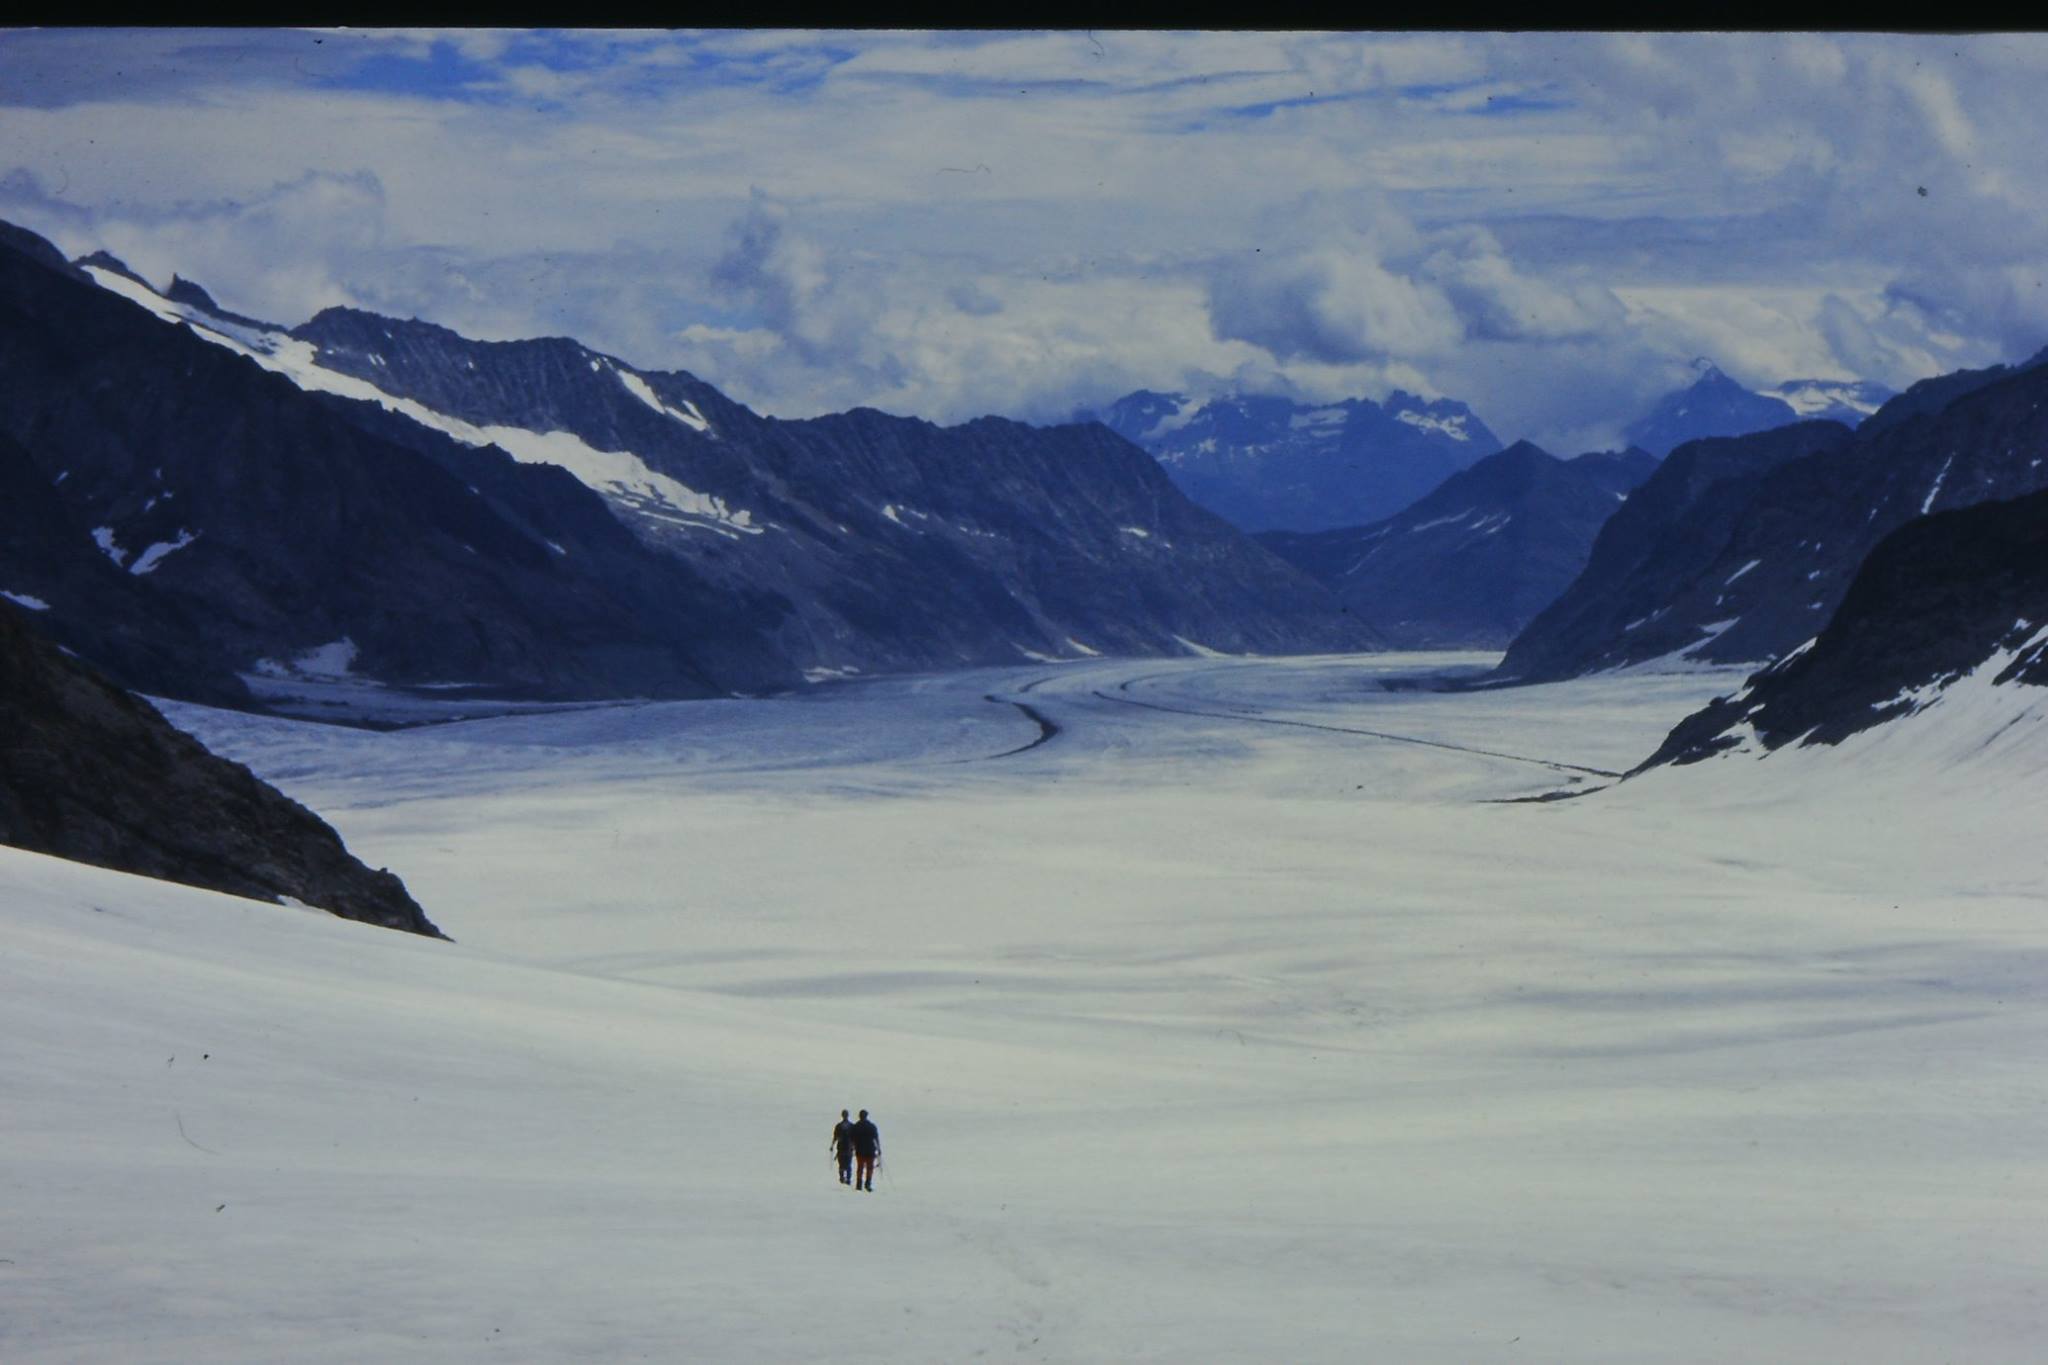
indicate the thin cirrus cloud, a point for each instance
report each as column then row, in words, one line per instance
column 1548, row 226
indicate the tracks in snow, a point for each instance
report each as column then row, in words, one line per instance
column 1354, row 730
column 1047, row 727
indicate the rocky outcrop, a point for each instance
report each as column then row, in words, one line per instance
column 94, row 774
column 1739, row 551
column 1648, row 588
column 1942, row 598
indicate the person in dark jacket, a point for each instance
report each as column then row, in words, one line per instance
column 842, row 1147
column 867, row 1150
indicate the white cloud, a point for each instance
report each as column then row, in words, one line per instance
column 1017, row 222
column 1331, row 304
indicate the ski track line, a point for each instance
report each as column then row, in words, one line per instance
column 1349, row 730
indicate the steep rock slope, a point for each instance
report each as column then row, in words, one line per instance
column 277, row 527
column 1930, row 396
column 1635, row 599
column 51, row 567
column 90, row 773
column 1470, row 564
column 1757, row 562
column 1948, row 611
column 1268, row 463
column 899, row 544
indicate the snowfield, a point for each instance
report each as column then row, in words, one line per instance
column 1247, row 1017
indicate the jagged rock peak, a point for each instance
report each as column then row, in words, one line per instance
column 106, row 260
column 190, row 294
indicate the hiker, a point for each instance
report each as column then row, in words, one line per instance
column 867, row 1150
column 842, row 1147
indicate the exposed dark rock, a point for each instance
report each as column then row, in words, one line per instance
column 35, row 248
column 141, row 637
column 897, row 543
column 1739, row 551
column 276, row 525
column 1936, row 600
column 1645, row 586
column 1930, row 396
column 94, row 774
column 1619, row 472
column 105, row 260
column 192, row 295
column 1469, row 565
column 686, row 546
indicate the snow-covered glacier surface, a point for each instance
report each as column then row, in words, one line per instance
column 1211, row 1010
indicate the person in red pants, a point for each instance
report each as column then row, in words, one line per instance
column 867, row 1150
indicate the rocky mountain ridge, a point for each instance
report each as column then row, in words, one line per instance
column 1269, row 463
column 252, row 523
column 400, row 506
column 1948, row 604
column 1470, row 564
column 1739, row 550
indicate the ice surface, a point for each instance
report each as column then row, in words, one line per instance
column 1327, row 421
column 103, row 536
column 1200, row 651
column 1810, row 400
column 336, row 659
column 1453, row 427
column 1441, row 521
column 147, row 561
column 1192, row 1036
column 1935, row 491
column 688, row 414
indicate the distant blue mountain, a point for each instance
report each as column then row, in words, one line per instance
column 1269, row 463
column 1714, row 405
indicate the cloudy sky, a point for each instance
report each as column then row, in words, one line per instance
column 1549, row 227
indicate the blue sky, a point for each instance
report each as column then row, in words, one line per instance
column 1548, row 226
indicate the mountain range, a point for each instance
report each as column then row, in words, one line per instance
column 1948, row 610
column 393, row 503
column 1715, row 405
column 1740, row 549
column 1264, row 462
column 1470, row 564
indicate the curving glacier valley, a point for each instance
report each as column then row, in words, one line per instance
column 1212, row 1009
